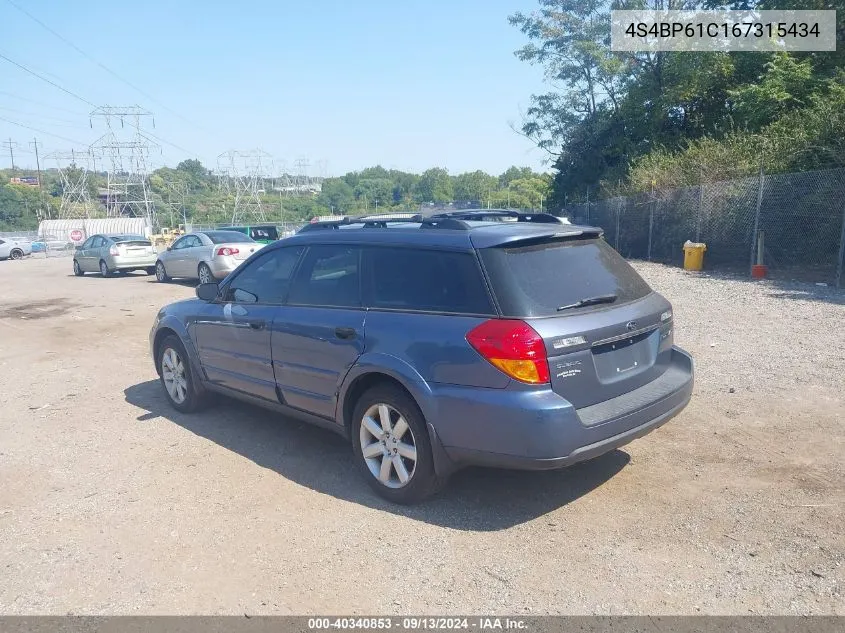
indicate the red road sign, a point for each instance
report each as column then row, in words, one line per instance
column 76, row 235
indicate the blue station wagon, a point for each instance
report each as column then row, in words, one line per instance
column 436, row 343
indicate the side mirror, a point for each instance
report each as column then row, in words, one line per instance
column 170, row 248
column 207, row 292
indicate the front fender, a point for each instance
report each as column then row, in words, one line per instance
column 171, row 322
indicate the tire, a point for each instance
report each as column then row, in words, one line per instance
column 204, row 274
column 179, row 389
column 16, row 253
column 422, row 480
column 150, row 270
column 77, row 270
column 161, row 273
column 104, row 269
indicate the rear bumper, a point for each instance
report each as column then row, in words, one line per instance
column 539, row 430
column 222, row 266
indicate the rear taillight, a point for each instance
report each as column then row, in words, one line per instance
column 514, row 347
column 113, row 251
column 227, row 251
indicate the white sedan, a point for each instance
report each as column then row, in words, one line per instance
column 11, row 248
column 205, row 255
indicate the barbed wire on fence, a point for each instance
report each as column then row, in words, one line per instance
column 799, row 218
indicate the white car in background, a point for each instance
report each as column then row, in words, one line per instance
column 13, row 248
column 205, row 255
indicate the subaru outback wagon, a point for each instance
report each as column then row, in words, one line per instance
column 433, row 344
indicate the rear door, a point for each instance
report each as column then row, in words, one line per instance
column 596, row 352
column 92, row 253
column 319, row 334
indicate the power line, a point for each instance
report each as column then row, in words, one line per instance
column 42, row 78
column 149, row 134
column 40, row 116
column 100, row 64
column 64, row 138
column 40, row 103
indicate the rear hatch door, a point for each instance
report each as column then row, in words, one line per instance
column 618, row 341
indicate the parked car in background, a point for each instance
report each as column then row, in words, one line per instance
column 436, row 344
column 109, row 254
column 263, row 234
column 205, row 255
column 13, row 248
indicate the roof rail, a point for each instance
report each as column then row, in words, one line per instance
column 475, row 214
column 369, row 221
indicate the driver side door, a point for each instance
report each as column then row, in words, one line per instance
column 175, row 265
column 233, row 335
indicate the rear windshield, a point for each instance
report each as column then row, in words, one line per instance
column 122, row 239
column 264, row 233
column 223, row 237
column 535, row 280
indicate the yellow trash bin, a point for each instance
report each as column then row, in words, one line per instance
column 694, row 255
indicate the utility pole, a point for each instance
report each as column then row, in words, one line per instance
column 11, row 145
column 35, row 145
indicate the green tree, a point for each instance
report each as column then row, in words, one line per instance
column 434, row 186
column 476, row 185
column 336, row 195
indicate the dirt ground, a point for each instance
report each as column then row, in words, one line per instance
column 112, row 503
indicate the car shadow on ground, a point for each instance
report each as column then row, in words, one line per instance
column 474, row 499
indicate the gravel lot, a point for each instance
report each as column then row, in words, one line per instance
column 111, row 502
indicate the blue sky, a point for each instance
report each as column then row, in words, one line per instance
column 402, row 83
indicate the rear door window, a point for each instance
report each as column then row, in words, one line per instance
column 328, row 276
column 425, row 280
column 535, row 280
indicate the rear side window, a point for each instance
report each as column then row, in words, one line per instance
column 535, row 280
column 328, row 276
column 264, row 233
column 425, row 280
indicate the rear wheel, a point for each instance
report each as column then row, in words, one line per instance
column 16, row 253
column 391, row 444
column 176, row 377
column 204, row 273
column 77, row 270
column 161, row 273
column 104, row 268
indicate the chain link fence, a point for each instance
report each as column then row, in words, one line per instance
column 798, row 220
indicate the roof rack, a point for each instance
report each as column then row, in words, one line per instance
column 476, row 214
column 454, row 220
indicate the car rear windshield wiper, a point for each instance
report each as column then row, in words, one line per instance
column 589, row 301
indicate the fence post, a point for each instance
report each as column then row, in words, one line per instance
column 618, row 213
column 700, row 212
column 650, row 226
column 756, row 217
column 588, row 205
column 841, row 261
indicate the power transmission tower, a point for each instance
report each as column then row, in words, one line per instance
column 11, row 145
column 176, row 192
column 301, row 175
column 126, row 150
column 73, row 169
column 247, row 171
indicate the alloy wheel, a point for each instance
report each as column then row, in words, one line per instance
column 173, row 373
column 388, row 446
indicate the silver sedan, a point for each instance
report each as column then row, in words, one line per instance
column 206, row 255
column 11, row 248
column 108, row 254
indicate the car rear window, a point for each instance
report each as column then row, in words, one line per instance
column 535, row 280
column 223, row 237
column 264, row 233
column 135, row 239
column 426, row 280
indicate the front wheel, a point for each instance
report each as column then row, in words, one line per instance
column 77, row 270
column 204, row 273
column 391, row 444
column 161, row 273
column 16, row 254
column 176, row 377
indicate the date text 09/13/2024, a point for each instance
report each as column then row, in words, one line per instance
column 417, row 623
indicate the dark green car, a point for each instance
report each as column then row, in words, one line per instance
column 263, row 234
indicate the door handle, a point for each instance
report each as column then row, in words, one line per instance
column 257, row 324
column 344, row 332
